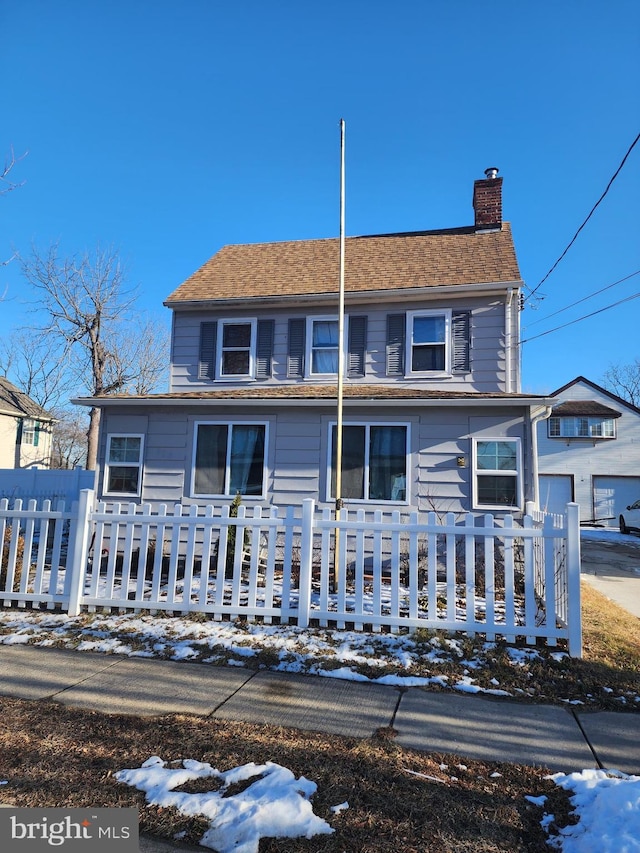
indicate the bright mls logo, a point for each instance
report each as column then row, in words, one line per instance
column 35, row 830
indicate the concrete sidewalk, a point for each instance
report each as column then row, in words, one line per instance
column 493, row 729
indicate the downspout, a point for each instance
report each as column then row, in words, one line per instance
column 508, row 341
column 542, row 415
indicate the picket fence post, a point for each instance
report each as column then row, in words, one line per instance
column 574, row 611
column 79, row 550
column 306, row 559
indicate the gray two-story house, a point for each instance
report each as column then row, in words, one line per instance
column 433, row 413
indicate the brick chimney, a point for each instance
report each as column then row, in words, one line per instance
column 487, row 201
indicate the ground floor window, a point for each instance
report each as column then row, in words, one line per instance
column 229, row 459
column 124, row 464
column 374, row 462
column 497, row 473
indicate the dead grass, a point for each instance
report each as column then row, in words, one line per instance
column 51, row 755
column 56, row 756
column 611, row 636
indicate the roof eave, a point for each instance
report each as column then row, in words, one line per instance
column 308, row 402
column 396, row 295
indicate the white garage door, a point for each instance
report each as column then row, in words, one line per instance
column 556, row 491
column 613, row 494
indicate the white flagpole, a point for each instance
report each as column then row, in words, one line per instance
column 341, row 364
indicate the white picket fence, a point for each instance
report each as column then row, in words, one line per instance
column 393, row 571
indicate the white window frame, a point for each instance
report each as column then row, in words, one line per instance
column 108, row 464
column 594, row 422
column 368, row 424
column 227, row 471
column 413, row 315
column 220, row 349
column 331, row 318
column 29, row 427
column 487, row 472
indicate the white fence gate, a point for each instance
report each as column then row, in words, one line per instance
column 392, row 570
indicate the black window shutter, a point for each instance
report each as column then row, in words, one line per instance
column 460, row 341
column 264, row 349
column 295, row 358
column 357, row 346
column 207, row 362
column 395, row 344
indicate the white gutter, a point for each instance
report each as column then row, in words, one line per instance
column 310, row 402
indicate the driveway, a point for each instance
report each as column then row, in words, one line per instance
column 611, row 564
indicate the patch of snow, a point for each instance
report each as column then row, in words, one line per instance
column 274, row 804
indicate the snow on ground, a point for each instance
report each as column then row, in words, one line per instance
column 609, row 534
column 274, row 804
column 270, row 801
column 607, row 804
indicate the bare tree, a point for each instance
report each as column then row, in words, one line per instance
column 69, row 439
column 87, row 307
column 624, row 380
column 33, row 363
column 6, row 184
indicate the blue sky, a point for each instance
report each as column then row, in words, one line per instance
column 167, row 130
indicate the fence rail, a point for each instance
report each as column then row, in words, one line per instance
column 392, row 570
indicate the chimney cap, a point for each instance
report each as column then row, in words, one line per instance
column 491, row 172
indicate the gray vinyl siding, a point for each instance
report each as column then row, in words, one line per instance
column 488, row 364
column 586, row 458
column 297, row 450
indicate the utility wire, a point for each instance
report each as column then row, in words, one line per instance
column 579, row 319
column 591, row 212
column 584, row 299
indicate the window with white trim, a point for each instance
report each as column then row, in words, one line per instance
column 497, row 473
column 428, row 342
column 123, row 469
column 229, row 458
column 236, row 348
column 374, row 462
column 322, row 346
column 30, row 431
column 581, row 426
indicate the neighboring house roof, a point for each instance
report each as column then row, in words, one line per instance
column 320, row 393
column 581, row 380
column 584, row 408
column 396, row 262
column 17, row 404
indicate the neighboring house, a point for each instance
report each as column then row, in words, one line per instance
column 25, row 430
column 589, row 452
column 433, row 414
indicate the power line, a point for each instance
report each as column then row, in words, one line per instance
column 579, row 319
column 591, row 212
column 584, row 299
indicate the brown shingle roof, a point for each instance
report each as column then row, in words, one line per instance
column 584, row 408
column 383, row 262
column 319, row 392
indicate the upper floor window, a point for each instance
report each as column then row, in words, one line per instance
column 236, row 349
column 374, row 462
column 322, row 337
column 229, row 459
column 497, row 473
column 123, row 469
column 30, row 432
column 429, row 333
column 581, row 427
